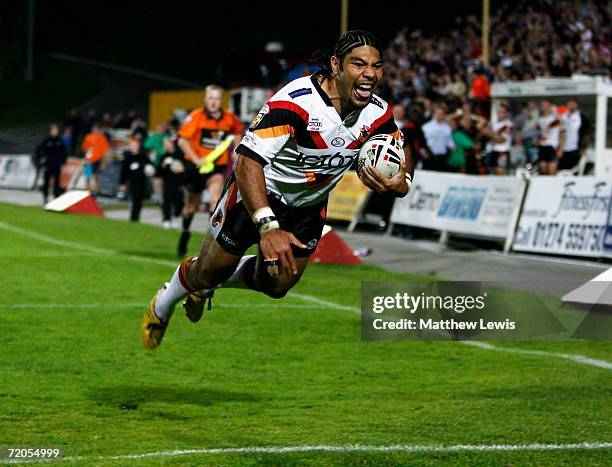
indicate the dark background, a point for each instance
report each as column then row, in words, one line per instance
column 193, row 39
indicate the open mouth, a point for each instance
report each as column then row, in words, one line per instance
column 363, row 91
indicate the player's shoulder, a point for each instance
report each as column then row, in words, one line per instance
column 194, row 115
column 376, row 112
column 298, row 91
column 378, row 105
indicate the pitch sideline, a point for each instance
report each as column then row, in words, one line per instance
column 580, row 359
column 333, row 449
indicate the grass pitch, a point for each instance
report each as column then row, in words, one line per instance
column 256, row 372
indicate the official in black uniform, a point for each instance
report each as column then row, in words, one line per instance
column 135, row 169
column 51, row 155
column 171, row 169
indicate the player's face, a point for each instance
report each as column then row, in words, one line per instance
column 361, row 71
column 502, row 113
column 546, row 107
column 212, row 100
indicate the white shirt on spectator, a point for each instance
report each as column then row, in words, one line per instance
column 439, row 137
column 503, row 128
column 573, row 122
column 551, row 127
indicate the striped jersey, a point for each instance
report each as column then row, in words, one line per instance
column 304, row 144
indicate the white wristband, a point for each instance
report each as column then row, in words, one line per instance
column 272, row 225
column 262, row 213
column 409, row 182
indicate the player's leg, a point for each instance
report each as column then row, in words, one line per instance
column 257, row 277
column 46, row 182
column 57, row 188
column 215, row 185
column 192, row 204
column 218, row 264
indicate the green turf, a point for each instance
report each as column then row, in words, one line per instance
column 57, row 87
column 256, row 372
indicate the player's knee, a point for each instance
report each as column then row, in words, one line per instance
column 276, row 292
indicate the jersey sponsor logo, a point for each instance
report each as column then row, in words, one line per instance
column 315, row 124
column 364, row 132
column 217, row 218
column 300, row 92
column 311, row 245
column 228, row 240
column 338, row 142
column 211, row 138
column 377, row 102
column 265, row 110
column 326, row 161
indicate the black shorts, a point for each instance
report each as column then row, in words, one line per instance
column 194, row 181
column 547, row 154
column 500, row 159
column 569, row 160
column 231, row 224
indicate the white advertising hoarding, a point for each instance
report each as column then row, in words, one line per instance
column 483, row 206
column 564, row 215
column 17, row 171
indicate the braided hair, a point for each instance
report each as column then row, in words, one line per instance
column 346, row 42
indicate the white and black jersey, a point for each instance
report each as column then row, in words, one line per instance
column 304, row 145
column 550, row 126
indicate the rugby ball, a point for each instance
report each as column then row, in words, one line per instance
column 384, row 152
column 177, row 167
column 149, row 170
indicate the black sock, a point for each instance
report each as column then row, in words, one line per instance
column 187, row 222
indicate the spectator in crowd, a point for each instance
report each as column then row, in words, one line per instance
column 462, row 143
column 138, row 128
column 472, row 127
column 155, row 142
column 501, row 131
column 481, row 92
column 135, row 169
column 170, row 169
column 51, row 155
column 96, row 147
column 67, row 137
column 413, row 135
column 74, row 121
column 577, row 132
column 90, row 120
column 439, row 137
column 551, row 140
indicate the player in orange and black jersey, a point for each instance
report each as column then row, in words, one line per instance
column 204, row 130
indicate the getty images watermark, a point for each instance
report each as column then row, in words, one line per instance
column 475, row 311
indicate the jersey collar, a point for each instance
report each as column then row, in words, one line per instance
column 317, row 86
column 209, row 115
column 351, row 118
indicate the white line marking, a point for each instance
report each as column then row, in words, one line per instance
column 78, row 246
column 478, row 344
column 407, row 448
column 324, row 303
column 542, row 353
column 581, row 359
